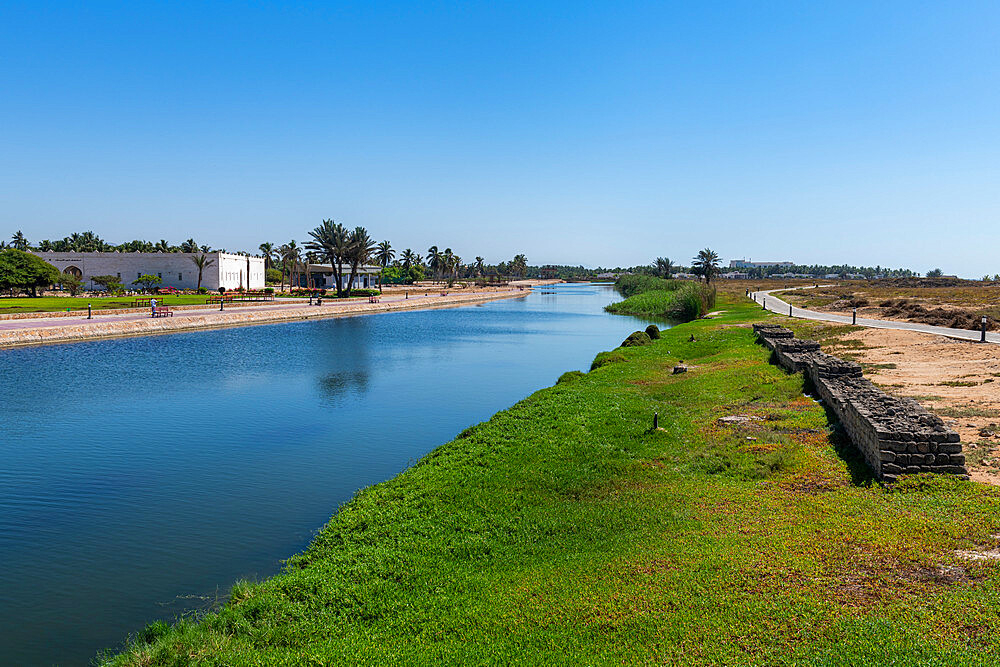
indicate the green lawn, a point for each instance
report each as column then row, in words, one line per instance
column 565, row 531
column 44, row 304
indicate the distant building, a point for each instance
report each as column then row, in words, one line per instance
column 745, row 264
column 608, row 275
column 321, row 275
column 734, row 275
column 175, row 269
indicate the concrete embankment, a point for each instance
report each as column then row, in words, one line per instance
column 139, row 325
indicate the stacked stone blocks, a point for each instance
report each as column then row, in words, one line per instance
column 895, row 435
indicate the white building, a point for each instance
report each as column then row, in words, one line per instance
column 175, row 269
column 321, row 275
column 744, row 264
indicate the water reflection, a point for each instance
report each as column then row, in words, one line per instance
column 144, row 474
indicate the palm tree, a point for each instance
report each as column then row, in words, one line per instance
column 18, row 242
column 434, row 260
column 189, row 246
column 45, row 245
column 332, row 240
column 267, row 252
column 290, row 256
column 202, row 262
column 206, row 248
column 664, row 267
column 519, row 265
column 706, row 264
column 410, row 258
column 385, row 254
column 361, row 248
column 480, row 266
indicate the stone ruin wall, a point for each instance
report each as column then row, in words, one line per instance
column 895, row 435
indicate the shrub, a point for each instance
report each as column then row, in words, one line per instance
column 653, row 331
column 631, row 285
column 636, row 338
column 605, row 358
column 687, row 302
column 364, row 292
column 270, row 290
column 202, row 290
column 569, row 376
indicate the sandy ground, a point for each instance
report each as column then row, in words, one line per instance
column 958, row 380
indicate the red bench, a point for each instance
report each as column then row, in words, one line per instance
column 372, row 298
column 163, row 311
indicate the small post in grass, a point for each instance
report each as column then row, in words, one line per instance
column 90, row 311
column 854, row 316
column 982, row 338
column 789, row 310
column 222, row 304
column 765, row 303
column 656, row 420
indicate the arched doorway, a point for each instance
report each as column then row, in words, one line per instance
column 74, row 271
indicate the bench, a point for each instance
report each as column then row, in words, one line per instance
column 163, row 311
column 222, row 298
column 373, row 298
column 144, row 303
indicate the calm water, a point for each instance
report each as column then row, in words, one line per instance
column 140, row 477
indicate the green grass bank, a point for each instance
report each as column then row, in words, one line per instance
column 674, row 300
column 565, row 530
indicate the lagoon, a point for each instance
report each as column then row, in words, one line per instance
column 140, row 477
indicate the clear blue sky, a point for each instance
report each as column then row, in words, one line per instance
column 573, row 132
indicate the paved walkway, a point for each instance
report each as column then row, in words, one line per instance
column 40, row 322
column 776, row 305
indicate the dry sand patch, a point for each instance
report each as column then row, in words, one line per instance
column 958, row 380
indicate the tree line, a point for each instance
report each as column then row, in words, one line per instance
column 345, row 250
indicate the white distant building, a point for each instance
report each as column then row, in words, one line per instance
column 734, row 275
column 745, row 264
column 175, row 269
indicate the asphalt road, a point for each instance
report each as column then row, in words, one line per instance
column 774, row 304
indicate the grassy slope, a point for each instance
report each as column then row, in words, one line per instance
column 564, row 531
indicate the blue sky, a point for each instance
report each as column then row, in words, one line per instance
column 594, row 133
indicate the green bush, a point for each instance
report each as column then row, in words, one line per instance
column 273, row 276
column 364, row 292
column 569, row 376
column 636, row 338
column 631, row 285
column 605, row 358
column 202, row 290
column 687, row 302
column 653, row 331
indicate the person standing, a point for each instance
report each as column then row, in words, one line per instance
column 152, row 305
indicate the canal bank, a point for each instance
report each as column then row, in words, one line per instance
column 566, row 530
column 44, row 330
